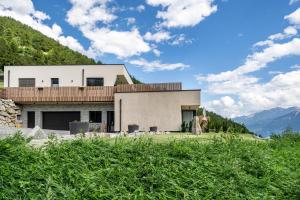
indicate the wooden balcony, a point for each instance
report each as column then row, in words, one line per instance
column 80, row 94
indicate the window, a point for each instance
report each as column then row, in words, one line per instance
column 26, row 82
column 54, row 82
column 95, row 117
column 94, row 82
column 188, row 115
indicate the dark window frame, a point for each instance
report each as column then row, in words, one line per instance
column 54, row 84
column 26, row 82
column 95, row 116
column 94, row 83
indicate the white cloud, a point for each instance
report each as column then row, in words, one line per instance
column 295, row 66
column 275, row 72
column 89, row 12
column 123, row 44
column 140, row 8
column 158, row 36
column 258, row 60
column 86, row 14
column 249, row 93
column 130, row 20
column 294, row 18
column 179, row 13
column 180, row 39
column 156, row 52
column 156, row 65
column 26, row 13
column 293, row 1
column 288, row 32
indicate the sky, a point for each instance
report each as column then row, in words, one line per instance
column 242, row 54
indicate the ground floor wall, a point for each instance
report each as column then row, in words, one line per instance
column 84, row 110
column 161, row 109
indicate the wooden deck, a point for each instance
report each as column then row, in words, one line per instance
column 80, row 94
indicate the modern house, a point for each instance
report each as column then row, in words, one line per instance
column 53, row 96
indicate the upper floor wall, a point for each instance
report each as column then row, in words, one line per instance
column 64, row 75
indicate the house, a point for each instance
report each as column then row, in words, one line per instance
column 53, row 96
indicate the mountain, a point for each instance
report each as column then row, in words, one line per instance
column 275, row 120
column 22, row 45
column 217, row 123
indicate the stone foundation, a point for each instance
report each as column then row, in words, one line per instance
column 8, row 112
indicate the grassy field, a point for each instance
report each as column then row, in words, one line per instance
column 177, row 166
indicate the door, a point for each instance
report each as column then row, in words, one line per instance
column 110, row 121
column 30, row 119
column 59, row 120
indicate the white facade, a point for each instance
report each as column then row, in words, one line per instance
column 160, row 109
column 68, row 75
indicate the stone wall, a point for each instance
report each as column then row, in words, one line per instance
column 8, row 112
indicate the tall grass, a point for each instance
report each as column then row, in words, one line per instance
column 226, row 168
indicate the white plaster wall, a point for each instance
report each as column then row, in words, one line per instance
column 82, row 108
column 161, row 109
column 69, row 75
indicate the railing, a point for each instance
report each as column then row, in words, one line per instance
column 149, row 87
column 79, row 94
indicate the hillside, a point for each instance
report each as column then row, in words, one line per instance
column 275, row 120
column 217, row 123
column 22, row 45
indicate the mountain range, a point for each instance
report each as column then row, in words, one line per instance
column 275, row 120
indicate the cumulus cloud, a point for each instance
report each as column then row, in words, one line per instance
column 294, row 18
column 178, row 13
column 130, row 20
column 89, row 12
column 86, row 14
column 26, row 13
column 158, row 36
column 156, row 65
column 121, row 43
column 140, row 8
column 248, row 94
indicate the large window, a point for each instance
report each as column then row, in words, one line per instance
column 94, row 82
column 26, row 82
column 54, row 82
column 95, row 117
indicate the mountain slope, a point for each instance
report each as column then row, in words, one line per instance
column 218, row 123
column 22, row 45
column 275, row 120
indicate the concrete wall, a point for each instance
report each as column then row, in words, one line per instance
column 83, row 108
column 161, row 109
column 69, row 75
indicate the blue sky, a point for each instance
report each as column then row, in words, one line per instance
column 208, row 44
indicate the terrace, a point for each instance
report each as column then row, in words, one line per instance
column 80, row 94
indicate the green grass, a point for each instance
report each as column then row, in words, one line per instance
column 1, row 84
column 159, row 167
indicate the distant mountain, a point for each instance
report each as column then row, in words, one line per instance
column 275, row 120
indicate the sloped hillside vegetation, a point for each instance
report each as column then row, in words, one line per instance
column 22, row 45
column 217, row 123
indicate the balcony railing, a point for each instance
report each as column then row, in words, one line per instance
column 80, row 94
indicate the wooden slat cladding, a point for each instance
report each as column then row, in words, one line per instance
column 80, row 94
column 149, row 87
